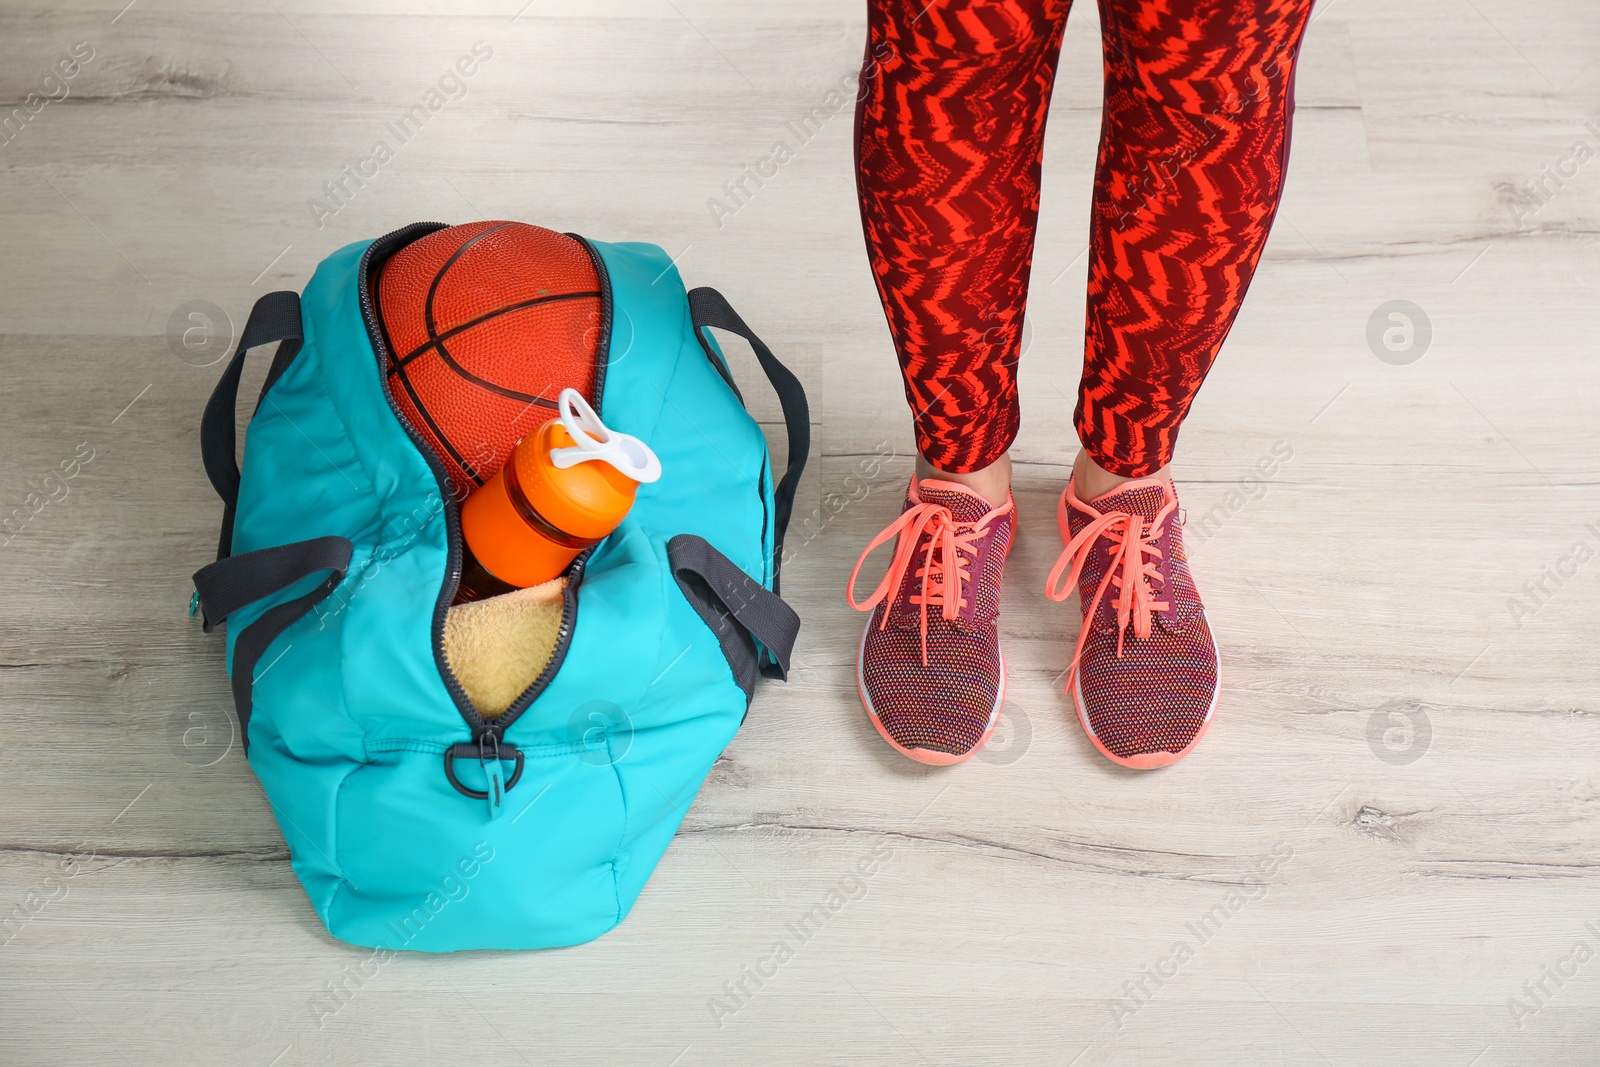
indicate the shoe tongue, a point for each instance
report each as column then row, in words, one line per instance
column 964, row 504
column 1144, row 499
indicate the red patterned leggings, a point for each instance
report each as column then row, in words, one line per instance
column 1193, row 141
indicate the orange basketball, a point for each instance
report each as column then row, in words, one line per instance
column 486, row 323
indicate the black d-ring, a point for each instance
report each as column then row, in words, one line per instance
column 471, row 750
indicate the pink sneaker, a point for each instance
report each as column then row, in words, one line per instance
column 929, row 668
column 1144, row 676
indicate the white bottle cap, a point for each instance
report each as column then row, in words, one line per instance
column 592, row 441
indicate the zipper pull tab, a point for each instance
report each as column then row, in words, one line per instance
column 194, row 602
column 494, row 773
column 497, row 789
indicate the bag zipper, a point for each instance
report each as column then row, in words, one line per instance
column 486, row 733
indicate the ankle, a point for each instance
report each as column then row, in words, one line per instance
column 993, row 482
column 1091, row 481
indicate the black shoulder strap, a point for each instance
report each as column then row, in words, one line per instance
column 740, row 611
column 234, row 581
column 276, row 317
column 707, row 307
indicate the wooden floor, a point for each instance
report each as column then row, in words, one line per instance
column 1396, row 815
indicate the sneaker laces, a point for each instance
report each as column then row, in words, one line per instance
column 946, row 562
column 1134, row 563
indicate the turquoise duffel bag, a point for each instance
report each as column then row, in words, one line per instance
column 412, row 821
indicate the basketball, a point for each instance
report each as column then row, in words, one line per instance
column 485, row 324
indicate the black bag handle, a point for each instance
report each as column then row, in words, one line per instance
column 739, row 610
column 230, row 583
column 275, row 317
column 707, row 307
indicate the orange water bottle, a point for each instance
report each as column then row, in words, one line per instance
column 566, row 486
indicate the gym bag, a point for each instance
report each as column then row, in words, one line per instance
column 413, row 821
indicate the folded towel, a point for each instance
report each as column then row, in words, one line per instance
column 499, row 646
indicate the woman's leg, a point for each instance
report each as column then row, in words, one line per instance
column 1194, row 138
column 949, row 130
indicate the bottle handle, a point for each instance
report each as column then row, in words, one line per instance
column 591, row 440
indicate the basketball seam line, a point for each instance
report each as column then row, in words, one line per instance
column 438, row 342
column 438, row 434
column 423, row 348
column 433, row 286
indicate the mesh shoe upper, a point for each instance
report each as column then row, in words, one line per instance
column 1145, row 673
column 930, row 666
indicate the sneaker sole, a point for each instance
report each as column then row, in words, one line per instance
column 928, row 756
column 1149, row 761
